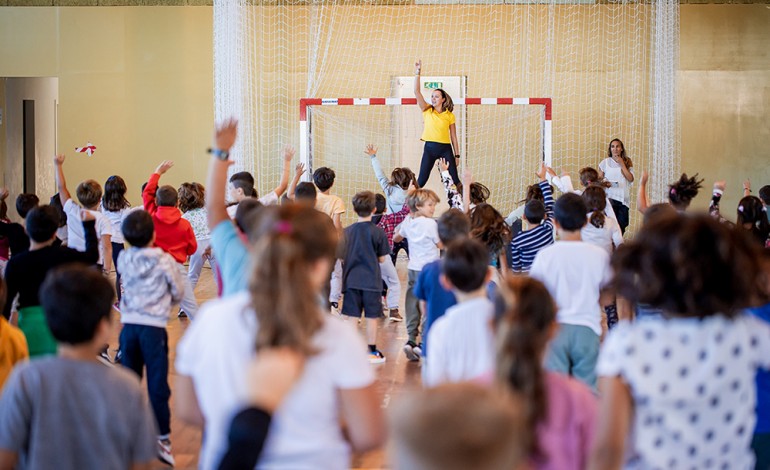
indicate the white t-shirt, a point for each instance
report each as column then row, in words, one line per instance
column 574, row 273
column 116, row 222
column 692, row 382
column 461, row 345
column 75, row 235
column 267, row 200
column 620, row 188
column 305, row 432
column 605, row 237
column 422, row 235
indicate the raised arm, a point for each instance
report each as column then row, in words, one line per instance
column 747, row 188
column 546, row 189
column 216, row 182
column 454, row 198
column 371, row 150
column 417, row 93
column 288, row 155
column 642, row 203
column 299, row 170
column 467, row 182
column 61, row 184
column 148, row 195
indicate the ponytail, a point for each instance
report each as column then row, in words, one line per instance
column 282, row 292
column 523, row 331
column 596, row 201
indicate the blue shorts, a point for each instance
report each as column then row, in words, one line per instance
column 367, row 300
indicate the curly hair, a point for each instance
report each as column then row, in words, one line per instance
column 684, row 190
column 489, row 227
column 191, row 196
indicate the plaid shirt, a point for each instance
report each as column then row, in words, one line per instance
column 389, row 222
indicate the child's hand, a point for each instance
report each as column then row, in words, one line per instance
column 467, row 177
column 288, row 153
column 299, row 169
column 550, row 171
column 58, row 160
column 207, row 253
column 720, row 185
column 370, row 150
column 271, row 375
column 4, row 193
column 541, row 172
column 443, row 165
column 418, row 67
column 747, row 185
column 164, row 166
column 645, row 177
column 225, row 134
column 86, row 216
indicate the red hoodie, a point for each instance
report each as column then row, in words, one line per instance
column 173, row 234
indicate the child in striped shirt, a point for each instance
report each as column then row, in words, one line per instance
column 537, row 233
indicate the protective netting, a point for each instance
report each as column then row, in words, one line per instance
column 609, row 69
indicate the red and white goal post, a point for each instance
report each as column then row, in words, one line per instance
column 305, row 103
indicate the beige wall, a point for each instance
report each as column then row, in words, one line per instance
column 137, row 82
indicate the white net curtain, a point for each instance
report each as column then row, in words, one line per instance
column 610, row 69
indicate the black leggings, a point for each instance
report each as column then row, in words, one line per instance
column 621, row 213
column 432, row 152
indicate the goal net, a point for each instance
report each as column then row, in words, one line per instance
column 609, row 68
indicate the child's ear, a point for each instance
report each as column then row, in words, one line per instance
column 445, row 283
column 490, row 274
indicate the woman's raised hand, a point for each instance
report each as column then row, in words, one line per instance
column 418, row 67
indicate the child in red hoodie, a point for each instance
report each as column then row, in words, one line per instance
column 173, row 234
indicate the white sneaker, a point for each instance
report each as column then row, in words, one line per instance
column 164, row 452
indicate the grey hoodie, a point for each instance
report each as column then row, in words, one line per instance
column 152, row 284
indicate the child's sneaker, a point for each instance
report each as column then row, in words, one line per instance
column 164, row 452
column 335, row 309
column 376, row 357
column 409, row 350
column 394, row 315
column 181, row 314
column 418, row 350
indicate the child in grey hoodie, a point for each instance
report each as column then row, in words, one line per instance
column 152, row 284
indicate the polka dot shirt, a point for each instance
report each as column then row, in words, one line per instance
column 692, row 383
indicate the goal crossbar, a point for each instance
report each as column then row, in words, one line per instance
column 305, row 103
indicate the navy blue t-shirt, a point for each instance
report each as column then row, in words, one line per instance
column 364, row 243
column 429, row 289
column 763, row 382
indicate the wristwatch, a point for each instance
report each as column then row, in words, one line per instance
column 220, row 154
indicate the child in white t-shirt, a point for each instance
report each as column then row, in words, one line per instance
column 421, row 230
column 576, row 274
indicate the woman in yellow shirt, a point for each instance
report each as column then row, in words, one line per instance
column 439, row 133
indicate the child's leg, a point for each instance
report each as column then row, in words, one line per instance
column 116, row 249
column 196, row 263
column 390, row 276
column 412, row 308
column 154, row 345
column 557, row 355
column 584, row 351
column 130, row 349
column 188, row 303
column 335, row 291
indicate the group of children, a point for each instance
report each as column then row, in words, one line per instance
column 504, row 314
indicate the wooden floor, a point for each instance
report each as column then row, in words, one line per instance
column 395, row 376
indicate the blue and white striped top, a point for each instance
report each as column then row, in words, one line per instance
column 525, row 245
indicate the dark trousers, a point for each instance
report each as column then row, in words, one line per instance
column 142, row 346
column 621, row 212
column 402, row 245
column 432, row 152
column 116, row 249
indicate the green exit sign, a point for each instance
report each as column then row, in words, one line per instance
column 433, row 85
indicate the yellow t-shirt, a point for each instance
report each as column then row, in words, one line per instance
column 13, row 348
column 329, row 204
column 437, row 125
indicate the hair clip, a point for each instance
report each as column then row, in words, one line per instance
column 283, row 227
column 740, row 208
column 673, row 191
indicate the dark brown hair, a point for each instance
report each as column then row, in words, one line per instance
column 293, row 238
column 402, row 177
column 449, row 105
column 533, row 193
column 166, row 196
column 683, row 191
column 689, row 266
column 489, row 227
column 89, row 192
column 364, row 203
column 751, row 212
column 114, row 198
column 522, row 335
column 623, row 155
column 589, row 175
column 479, row 192
column 596, row 201
column 191, row 196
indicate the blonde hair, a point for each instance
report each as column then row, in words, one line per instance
column 416, row 198
column 293, row 238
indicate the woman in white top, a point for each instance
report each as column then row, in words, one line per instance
column 292, row 262
column 617, row 169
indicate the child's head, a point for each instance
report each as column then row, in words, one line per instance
column 364, row 203
column 589, row 176
column 166, row 196
column 42, row 223
column 26, row 202
column 77, row 301
column 533, row 193
column 764, row 194
column 752, row 216
column 55, row 202
column 657, row 210
column 114, row 198
column 466, row 265
column 89, row 193
column 296, row 248
column 422, row 202
column 488, row 226
column 306, row 193
column 479, row 193
column 523, row 328
column 380, row 204
column 245, row 215
column 689, row 266
column 596, row 201
column 191, row 196
column 138, row 229
column 241, row 186
column 570, row 212
column 453, row 225
column 457, row 426
column 324, row 178
column 402, row 177
column 534, row 212
column 683, row 191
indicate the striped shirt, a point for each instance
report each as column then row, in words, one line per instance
column 525, row 245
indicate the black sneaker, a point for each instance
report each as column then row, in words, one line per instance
column 410, row 349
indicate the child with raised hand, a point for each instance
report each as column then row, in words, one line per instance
column 299, row 170
column 577, row 274
column 751, row 214
column 73, row 411
column 559, row 411
column 115, row 206
column 422, row 232
column 461, row 342
column 538, row 231
column 680, row 193
column 192, row 200
column 365, row 247
column 397, row 187
column 153, row 284
column 291, row 264
column 89, row 194
column 242, row 185
column 454, row 192
column 680, row 391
